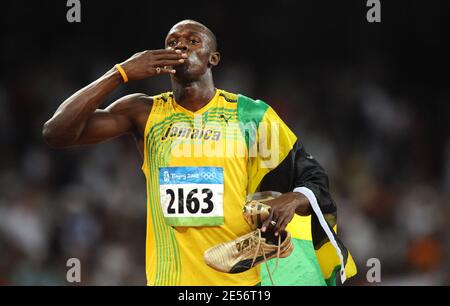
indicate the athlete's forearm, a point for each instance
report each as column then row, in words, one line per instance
column 67, row 124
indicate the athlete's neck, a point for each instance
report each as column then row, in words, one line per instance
column 196, row 94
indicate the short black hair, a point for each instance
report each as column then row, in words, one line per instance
column 208, row 32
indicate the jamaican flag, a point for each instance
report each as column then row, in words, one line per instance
column 278, row 162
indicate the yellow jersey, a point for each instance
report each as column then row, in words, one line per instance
column 199, row 168
column 193, row 161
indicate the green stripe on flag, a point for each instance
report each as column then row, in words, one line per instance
column 301, row 268
column 331, row 281
column 250, row 114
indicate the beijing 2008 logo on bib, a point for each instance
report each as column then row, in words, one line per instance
column 192, row 196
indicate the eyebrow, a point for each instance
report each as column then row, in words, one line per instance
column 189, row 32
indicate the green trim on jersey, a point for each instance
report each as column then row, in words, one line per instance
column 168, row 260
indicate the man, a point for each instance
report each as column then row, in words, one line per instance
column 196, row 184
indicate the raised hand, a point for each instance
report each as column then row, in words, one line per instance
column 149, row 63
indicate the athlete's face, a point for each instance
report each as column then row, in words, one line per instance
column 194, row 40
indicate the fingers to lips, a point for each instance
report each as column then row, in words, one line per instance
column 170, row 56
column 163, row 60
column 166, row 51
column 163, row 63
column 168, row 71
column 168, row 59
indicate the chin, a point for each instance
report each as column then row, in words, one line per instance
column 185, row 75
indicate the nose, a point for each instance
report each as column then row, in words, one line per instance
column 181, row 45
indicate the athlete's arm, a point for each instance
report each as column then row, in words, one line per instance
column 117, row 119
column 78, row 121
column 300, row 170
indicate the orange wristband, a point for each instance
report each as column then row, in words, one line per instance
column 122, row 72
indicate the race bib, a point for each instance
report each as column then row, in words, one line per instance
column 192, row 196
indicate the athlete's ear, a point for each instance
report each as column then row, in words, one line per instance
column 214, row 59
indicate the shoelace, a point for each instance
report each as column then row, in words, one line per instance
column 264, row 255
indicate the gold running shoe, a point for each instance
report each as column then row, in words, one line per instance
column 247, row 251
column 255, row 212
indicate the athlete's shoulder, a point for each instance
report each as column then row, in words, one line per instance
column 131, row 103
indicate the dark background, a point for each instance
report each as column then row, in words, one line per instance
column 369, row 100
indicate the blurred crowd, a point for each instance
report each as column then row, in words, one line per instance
column 389, row 170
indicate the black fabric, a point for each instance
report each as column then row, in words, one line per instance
column 300, row 169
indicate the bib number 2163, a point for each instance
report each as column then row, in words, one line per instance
column 192, row 196
column 191, row 202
